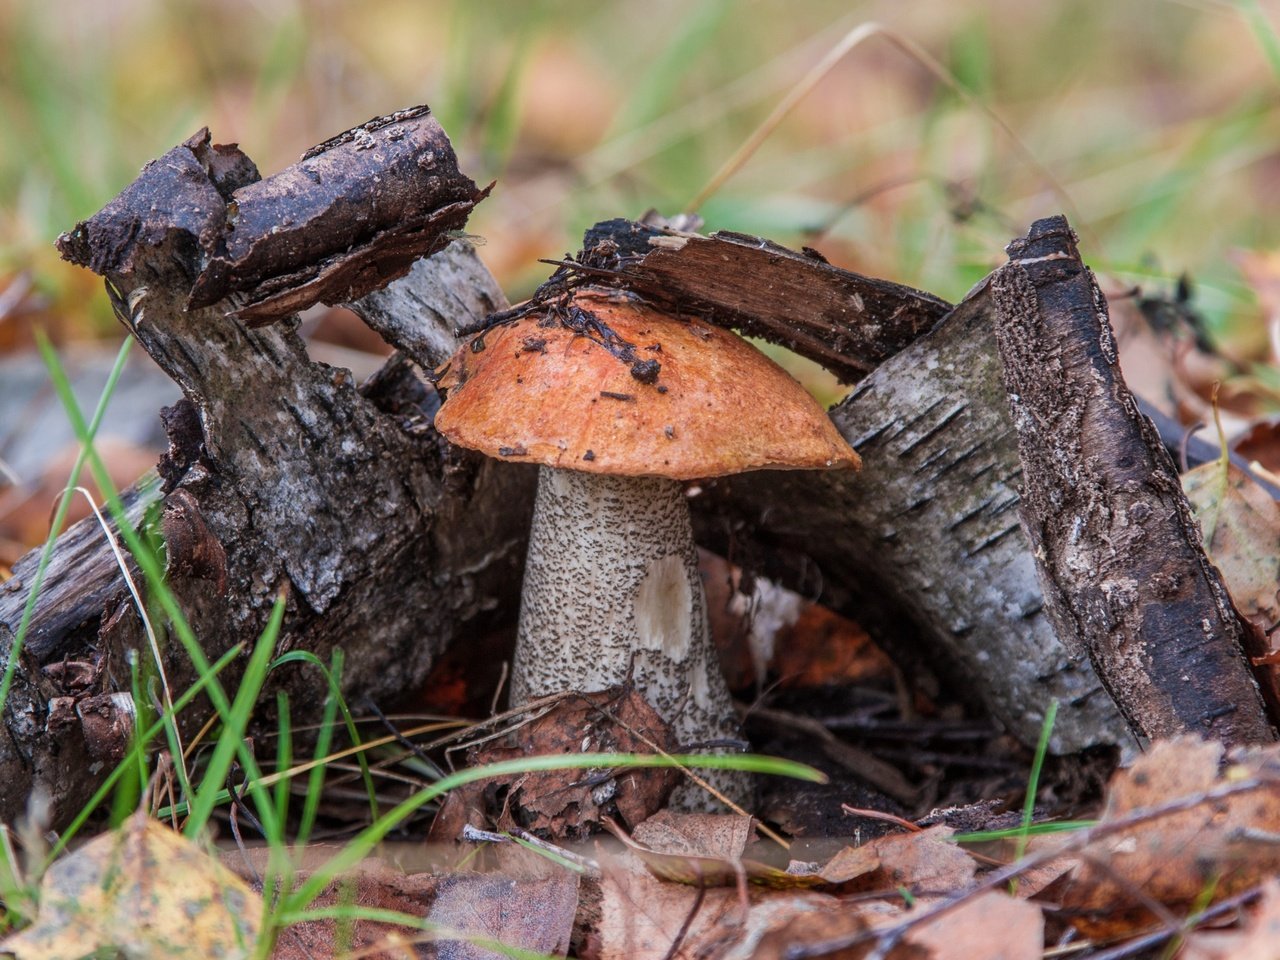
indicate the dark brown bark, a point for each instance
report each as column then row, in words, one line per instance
column 281, row 473
column 1117, row 548
column 352, row 215
column 845, row 321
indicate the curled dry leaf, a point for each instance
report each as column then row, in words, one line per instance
column 1260, row 446
column 144, row 892
column 705, row 850
column 640, row 916
column 923, row 862
column 1241, row 526
column 698, row 834
column 643, row 917
column 462, row 913
column 1214, row 846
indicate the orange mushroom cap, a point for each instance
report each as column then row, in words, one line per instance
column 538, row 392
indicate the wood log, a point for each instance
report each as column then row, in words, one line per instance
column 280, row 474
column 842, row 320
column 923, row 546
column 1117, row 548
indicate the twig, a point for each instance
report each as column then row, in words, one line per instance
column 476, row 835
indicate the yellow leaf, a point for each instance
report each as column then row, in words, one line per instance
column 145, row 892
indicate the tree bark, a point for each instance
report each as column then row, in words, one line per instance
column 837, row 318
column 924, row 546
column 1117, row 547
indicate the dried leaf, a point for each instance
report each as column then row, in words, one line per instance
column 640, row 916
column 697, row 834
column 1260, row 445
column 990, row 925
column 559, row 804
column 145, row 892
column 1241, row 524
column 705, row 850
column 464, row 912
column 850, row 864
column 1174, row 859
column 922, row 862
column 533, row 915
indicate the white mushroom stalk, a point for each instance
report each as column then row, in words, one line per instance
column 619, row 404
column 612, row 593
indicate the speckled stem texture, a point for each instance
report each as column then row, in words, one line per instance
column 612, row 592
column 1116, row 546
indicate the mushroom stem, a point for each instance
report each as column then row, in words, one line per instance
column 612, row 591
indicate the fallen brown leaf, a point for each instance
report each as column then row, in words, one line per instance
column 1214, row 846
column 567, row 804
column 922, row 862
column 990, row 925
column 641, row 917
column 1241, row 524
column 705, row 850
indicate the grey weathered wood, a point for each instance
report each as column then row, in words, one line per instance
column 924, row 545
column 82, row 578
column 419, row 317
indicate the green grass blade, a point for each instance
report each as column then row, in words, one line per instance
column 1009, row 833
column 315, row 779
column 231, row 741
column 332, row 677
column 1033, row 783
column 284, row 755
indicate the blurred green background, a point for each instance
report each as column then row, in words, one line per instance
column 1157, row 119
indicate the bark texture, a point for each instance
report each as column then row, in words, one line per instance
column 612, row 594
column 1117, row 548
column 842, row 320
column 280, row 474
column 419, row 317
column 924, row 544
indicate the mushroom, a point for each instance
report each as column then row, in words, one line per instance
column 620, row 404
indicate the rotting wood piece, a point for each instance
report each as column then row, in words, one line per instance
column 1118, row 549
column 352, row 215
column 280, row 474
column 842, row 320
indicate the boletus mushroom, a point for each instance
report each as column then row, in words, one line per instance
column 619, row 405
